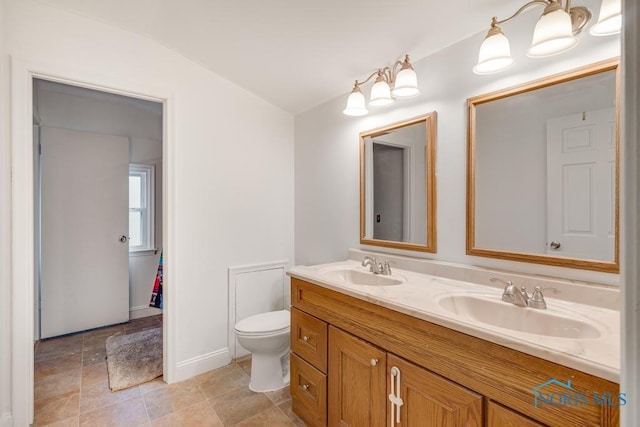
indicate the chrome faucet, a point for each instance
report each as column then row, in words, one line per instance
column 369, row 262
column 519, row 297
column 512, row 294
column 377, row 267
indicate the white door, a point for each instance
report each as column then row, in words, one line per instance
column 84, row 217
column 581, row 152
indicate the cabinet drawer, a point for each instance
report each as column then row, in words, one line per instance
column 309, row 392
column 309, row 338
column 499, row 416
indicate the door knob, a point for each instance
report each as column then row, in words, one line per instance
column 123, row 239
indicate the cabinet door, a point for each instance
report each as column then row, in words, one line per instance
column 499, row 416
column 430, row 400
column 357, row 372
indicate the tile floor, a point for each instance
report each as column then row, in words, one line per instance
column 72, row 389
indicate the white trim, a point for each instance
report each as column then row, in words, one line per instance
column 22, row 238
column 147, row 173
column 369, row 219
column 233, row 272
column 630, row 225
column 203, row 363
column 144, row 252
column 6, row 420
column 22, row 245
column 143, row 311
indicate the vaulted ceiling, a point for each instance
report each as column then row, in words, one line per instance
column 297, row 53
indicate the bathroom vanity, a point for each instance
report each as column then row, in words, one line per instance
column 398, row 353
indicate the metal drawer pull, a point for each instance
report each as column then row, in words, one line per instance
column 305, row 387
column 374, row 362
column 306, row 338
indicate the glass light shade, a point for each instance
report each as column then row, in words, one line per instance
column 355, row 104
column 495, row 54
column 406, row 85
column 553, row 34
column 609, row 20
column 380, row 94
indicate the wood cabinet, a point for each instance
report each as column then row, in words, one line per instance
column 447, row 378
column 428, row 400
column 309, row 368
column 357, row 371
column 309, row 339
column 363, row 380
column 499, row 416
column 309, row 392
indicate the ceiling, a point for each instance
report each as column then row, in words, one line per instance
column 296, row 54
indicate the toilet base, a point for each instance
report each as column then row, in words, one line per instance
column 268, row 373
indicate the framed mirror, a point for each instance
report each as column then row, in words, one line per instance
column 543, row 171
column 398, row 185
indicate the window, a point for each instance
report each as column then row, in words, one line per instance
column 141, row 215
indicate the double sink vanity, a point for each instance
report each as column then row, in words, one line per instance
column 434, row 344
column 382, row 339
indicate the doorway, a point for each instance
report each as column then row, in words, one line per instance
column 98, row 197
column 98, row 182
column 389, row 192
column 23, row 251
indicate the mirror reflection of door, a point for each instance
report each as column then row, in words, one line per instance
column 389, row 198
column 543, row 174
column 581, row 155
column 397, row 185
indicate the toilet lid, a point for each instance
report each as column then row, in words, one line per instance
column 265, row 322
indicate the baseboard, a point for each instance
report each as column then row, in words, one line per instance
column 203, row 363
column 143, row 311
column 6, row 420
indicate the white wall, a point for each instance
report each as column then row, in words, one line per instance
column 5, row 231
column 231, row 165
column 326, row 151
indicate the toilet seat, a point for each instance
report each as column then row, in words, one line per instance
column 271, row 323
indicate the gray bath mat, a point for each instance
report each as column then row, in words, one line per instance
column 134, row 359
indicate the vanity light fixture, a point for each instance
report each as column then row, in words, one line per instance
column 609, row 20
column 554, row 33
column 404, row 82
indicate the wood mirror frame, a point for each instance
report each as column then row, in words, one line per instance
column 430, row 186
column 541, row 258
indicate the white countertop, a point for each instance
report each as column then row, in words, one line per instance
column 420, row 293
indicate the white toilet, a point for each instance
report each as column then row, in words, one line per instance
column 266, row 336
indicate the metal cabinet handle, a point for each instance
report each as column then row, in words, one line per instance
column 374, row 362
column 394, row 396
column 306, row 338
column 555, row 244
column 305, row 387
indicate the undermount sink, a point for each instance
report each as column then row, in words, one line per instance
column 492, row 311
column 356, row 276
